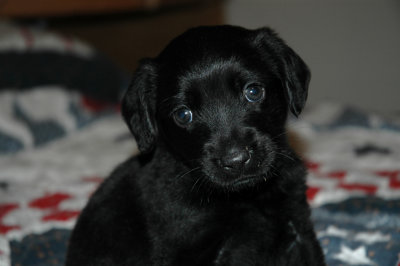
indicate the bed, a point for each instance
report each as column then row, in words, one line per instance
column 61, row 134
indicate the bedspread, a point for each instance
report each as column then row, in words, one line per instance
column 354, row 186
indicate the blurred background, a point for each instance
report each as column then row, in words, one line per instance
column 352, row 46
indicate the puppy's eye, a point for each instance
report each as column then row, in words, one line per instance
column 254, row 92
column 183, row 116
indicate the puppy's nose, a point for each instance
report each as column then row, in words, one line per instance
column 235, row 159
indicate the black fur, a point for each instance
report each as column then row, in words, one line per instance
column 217, row 183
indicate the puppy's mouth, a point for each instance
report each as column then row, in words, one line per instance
column 241, row 161
column 238, row 182
column 249, row 175
column 247, row 180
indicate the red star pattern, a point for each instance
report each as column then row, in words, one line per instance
column 339, row 177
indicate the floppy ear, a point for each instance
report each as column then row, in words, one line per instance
column 294, row 73
column 138, row 106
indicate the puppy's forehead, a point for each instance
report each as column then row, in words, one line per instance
column 209, row 77
column 206, row 61
column 214, row 79
column 213, row 70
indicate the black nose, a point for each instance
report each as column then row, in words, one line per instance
column 235, row 159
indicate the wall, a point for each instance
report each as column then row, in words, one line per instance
column 352, row 47
column 128, row 37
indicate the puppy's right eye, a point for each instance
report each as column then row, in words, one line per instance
column 254, row 92
column 183, row 116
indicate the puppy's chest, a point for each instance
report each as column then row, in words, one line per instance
column 219, row 236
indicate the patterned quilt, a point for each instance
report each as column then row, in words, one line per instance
column 353, row 159
column 58, row 142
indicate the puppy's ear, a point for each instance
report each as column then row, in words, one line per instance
column 138, row 106
column 294, row 73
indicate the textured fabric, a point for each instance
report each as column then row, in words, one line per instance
column 353, row 159
column 45, row 188
column 45, row 79
column 37, row 116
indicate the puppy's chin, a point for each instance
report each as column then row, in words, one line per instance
column 240, row 182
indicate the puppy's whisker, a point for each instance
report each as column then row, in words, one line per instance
column 279, row 135
column 208, row 191
column 188, row 172
column 290, row 127
column 285, row 155
column 273, row 171
column 195, row 183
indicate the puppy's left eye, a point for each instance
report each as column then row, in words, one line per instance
column 183, row 116
column 254, row 92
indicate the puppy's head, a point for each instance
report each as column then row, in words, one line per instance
column 217, row 98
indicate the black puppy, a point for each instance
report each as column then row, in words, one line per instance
column 217, row 183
